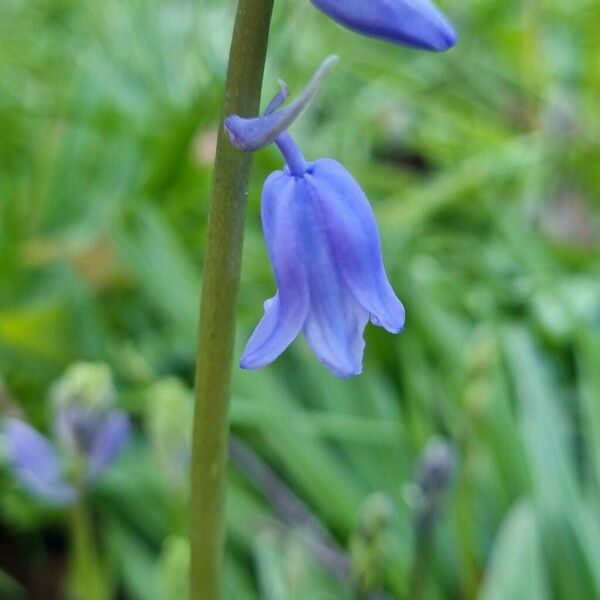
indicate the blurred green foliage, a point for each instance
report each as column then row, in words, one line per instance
column 482, row 166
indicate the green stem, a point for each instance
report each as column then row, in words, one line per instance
column 219, row 292
column 87, row 581
column 420, row 566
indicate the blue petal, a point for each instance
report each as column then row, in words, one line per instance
column 348, row 219
column 339, row 348
column 279, row 98
column 109, row 441
column 76, row 426
column 336, row 321
column 414, row 23
column 35, row 464
column 286, row 312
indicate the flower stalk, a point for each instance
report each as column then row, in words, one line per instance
column 219, row 293
column 87, row 579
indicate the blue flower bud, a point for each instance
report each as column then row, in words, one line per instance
column 108, row 443
column 414, row 23
column 436, row 471
column 90, row 434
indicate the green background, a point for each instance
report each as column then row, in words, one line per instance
column 483, row 168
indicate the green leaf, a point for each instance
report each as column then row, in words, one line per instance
column 516, row 567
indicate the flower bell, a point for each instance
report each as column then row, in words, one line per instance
column 414, row 23
column 324, row 246
column 36, row 464
column 89, row 431
column 86, row 421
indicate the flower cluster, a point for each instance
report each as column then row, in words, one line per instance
column 89, row 436
column 320, row 230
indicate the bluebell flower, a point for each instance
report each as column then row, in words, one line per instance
column 90, row 436
column 324, row 246
column 36, row 464
column 414, row 23
column 98, row 437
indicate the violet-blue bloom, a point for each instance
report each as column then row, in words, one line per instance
column 86, row 422
column 89, row 433
column 36, row 465
column 324, row 246
column 414, row 23
column 98, row 436
column 111, row 437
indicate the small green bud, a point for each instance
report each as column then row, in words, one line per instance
column 89, row 385
column 368, row 544
column 169, row 417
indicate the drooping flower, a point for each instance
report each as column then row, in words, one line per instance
column 324, row 246
column 36, row 464
column 85, row 418
column 89, row 436
column 414, row 23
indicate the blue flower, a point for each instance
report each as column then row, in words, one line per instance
column 89, row 432
column 36, row 464
column 324, row 246
column 414, row 23
column 97, row 436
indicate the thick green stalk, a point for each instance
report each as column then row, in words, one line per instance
column 219, row 292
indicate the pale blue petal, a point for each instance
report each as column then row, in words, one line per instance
column 76, row 427
column 35, row 464
column 347, row 217
column 286, row 313
column 413, row 23
column 340, row 350
column 336, row 321
column 109, row 441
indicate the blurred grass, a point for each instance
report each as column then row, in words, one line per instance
column 482, row 166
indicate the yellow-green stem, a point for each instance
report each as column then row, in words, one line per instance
column 87, row 581
column 219, row 292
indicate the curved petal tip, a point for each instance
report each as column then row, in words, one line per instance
column 250, row 134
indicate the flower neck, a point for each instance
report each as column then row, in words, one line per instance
column 292, row 154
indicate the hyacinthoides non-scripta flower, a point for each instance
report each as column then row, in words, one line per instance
column 89, row 436
column 324, row 246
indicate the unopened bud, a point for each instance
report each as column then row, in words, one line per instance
column 368, row 545
column 169, row 420
column 435, row 475
column 88, row 385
